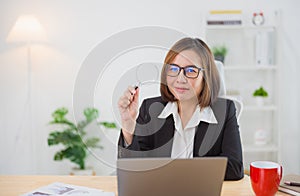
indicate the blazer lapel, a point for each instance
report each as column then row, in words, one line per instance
column 207, row 134
column 164, row 138
column 199, row 136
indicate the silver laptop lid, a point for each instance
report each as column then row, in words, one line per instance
column 166, row 176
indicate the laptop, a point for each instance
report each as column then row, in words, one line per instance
column 174, row 177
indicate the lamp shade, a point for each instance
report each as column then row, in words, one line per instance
column 27, row 29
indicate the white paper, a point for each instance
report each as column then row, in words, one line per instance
column 58, row 188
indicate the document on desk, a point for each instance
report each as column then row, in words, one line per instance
column 290, row 189
column 63, row 189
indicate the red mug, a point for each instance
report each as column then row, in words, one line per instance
column 265, row 177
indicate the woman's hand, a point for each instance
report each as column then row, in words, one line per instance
column 128, row 108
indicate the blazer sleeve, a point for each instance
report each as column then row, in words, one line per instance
column 139, row 143
column 231, row 145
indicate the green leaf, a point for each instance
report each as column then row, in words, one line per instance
column 109, row 125
column 91, row 114
column 64, row 122
column 59, row 114
column 59, row 156
column 76, row 155
column 260, row 92
column 219, row 50
column 66, row 138
column 92, row 142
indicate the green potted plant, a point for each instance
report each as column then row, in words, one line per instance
column 220, row 52
column 260, row 94
column 73, row 137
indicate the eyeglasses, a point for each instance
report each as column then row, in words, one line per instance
column 191, row 71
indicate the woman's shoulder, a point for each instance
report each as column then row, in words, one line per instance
column 223, row 103
column 219, row 100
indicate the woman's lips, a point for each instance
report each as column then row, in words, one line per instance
column 181, row 89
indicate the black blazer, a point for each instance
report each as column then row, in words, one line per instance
column 153, row 137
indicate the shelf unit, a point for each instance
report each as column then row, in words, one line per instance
column 250, row 68
column 260, row 108
column 242, row 76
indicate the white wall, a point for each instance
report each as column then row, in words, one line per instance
column 74, row 28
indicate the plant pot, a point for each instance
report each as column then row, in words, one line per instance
column 88, row 171
column 220, row 58
column 260, row 101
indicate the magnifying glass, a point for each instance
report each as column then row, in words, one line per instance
column 147, row 74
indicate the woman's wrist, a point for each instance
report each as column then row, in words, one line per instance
column 128, row 136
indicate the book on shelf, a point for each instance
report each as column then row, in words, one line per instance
column 292, row 190
column 224, row 17
column 265, row 48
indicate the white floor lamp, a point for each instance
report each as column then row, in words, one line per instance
column 28, row 30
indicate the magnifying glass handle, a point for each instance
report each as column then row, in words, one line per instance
column 137, row 86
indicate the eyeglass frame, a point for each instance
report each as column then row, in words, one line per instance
column 183, row 68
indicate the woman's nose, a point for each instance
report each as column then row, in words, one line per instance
column 181, row 77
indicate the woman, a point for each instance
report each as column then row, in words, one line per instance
column 188, row 119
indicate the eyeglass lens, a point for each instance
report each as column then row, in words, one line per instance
column 189, row 71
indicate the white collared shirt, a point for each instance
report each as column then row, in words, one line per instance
column 183, row 140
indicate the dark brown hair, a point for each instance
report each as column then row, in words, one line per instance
column 211, row 80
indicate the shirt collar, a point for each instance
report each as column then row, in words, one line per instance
column 206, row 114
